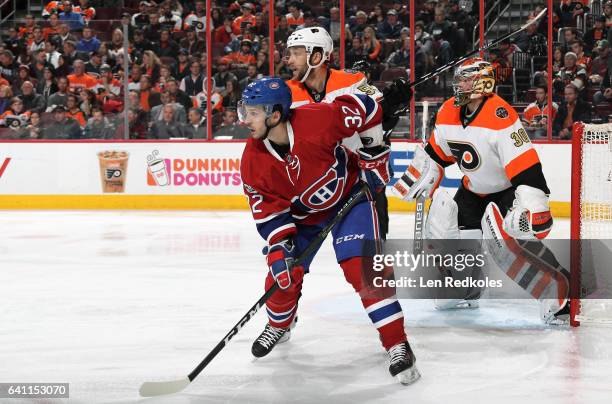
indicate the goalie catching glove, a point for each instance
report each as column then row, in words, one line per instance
column 374, row 165
column 280, row 257
column 422, row 177
column 529, row 217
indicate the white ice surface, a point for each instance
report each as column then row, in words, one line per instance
column 108, row 300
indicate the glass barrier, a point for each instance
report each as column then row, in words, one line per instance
column 66, row 68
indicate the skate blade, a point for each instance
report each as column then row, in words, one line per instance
column 284, row 338
column 454, row 304
column 409, row 376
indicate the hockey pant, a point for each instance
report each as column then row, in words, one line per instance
column 359, row 225
column 472, row 206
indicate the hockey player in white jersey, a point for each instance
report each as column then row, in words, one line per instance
column 503, row 191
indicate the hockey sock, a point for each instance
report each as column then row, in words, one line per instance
column 385, row 313
column 282, row 305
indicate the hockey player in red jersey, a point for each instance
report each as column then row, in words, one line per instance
column 297, row 174
column 503, row 191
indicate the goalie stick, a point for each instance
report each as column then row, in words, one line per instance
column 419, row 208
column 468, row 55
column 150, row 389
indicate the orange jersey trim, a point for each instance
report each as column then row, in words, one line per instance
column 439, row 151
column 521, row 163
column 449, row 114
column 337, row 80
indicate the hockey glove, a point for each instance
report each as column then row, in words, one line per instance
column 280, row 257
column 396, row 97
column 422, row 177
column 362, row 66
column 529, row 217
column 375, row 169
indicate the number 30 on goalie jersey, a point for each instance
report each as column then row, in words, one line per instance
column 492, row 149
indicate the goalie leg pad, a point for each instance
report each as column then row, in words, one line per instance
column 442, row 218
column 539, row 276
column 467, row 298
column 422, row 177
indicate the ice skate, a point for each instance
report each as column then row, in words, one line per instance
column 456, row 304
column 552, row 315
column 268, row 339
column 402, row 364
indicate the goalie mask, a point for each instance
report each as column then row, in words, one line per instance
column 474, row 78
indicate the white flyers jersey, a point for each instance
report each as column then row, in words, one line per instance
column 491, row 147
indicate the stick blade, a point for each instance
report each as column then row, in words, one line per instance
column 151, row 389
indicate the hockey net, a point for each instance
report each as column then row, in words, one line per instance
column 591, row 224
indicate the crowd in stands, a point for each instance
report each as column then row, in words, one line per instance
column 62, row 73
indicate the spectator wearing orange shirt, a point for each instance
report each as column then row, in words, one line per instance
column 28, row 28
column 535, row 115
column 242, row 58
column 56, row 7
column 224, row 34
column 246, row 17
column 88, row 12
column 73, row 110
column 295, row 16
column 53, row 7
column 583, row 60
column 53, row 28
column 148, row 97
column 80, row 79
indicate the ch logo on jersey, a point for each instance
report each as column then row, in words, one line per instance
column 327, row 190
column 466, row 154
column 292, row 167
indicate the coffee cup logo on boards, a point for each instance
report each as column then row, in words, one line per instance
column 157, row 169
column 113, row 170
column 192, row 172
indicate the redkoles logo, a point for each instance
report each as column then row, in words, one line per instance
column 326, row 191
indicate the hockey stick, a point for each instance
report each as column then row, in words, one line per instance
column 465, row 57
column 150, row 389
column 419, row 213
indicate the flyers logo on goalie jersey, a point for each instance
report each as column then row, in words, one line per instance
column 484, row 145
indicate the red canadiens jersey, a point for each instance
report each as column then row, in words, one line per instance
column 318, row 172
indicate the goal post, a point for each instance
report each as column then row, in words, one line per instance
column 591, row 224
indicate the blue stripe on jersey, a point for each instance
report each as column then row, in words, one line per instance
column 385, row 311
column 268, row 227
column 368, row 102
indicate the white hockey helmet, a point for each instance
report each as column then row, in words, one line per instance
column 312, row 38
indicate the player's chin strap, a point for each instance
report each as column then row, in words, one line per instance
column 310, row 67
column 270, row 127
